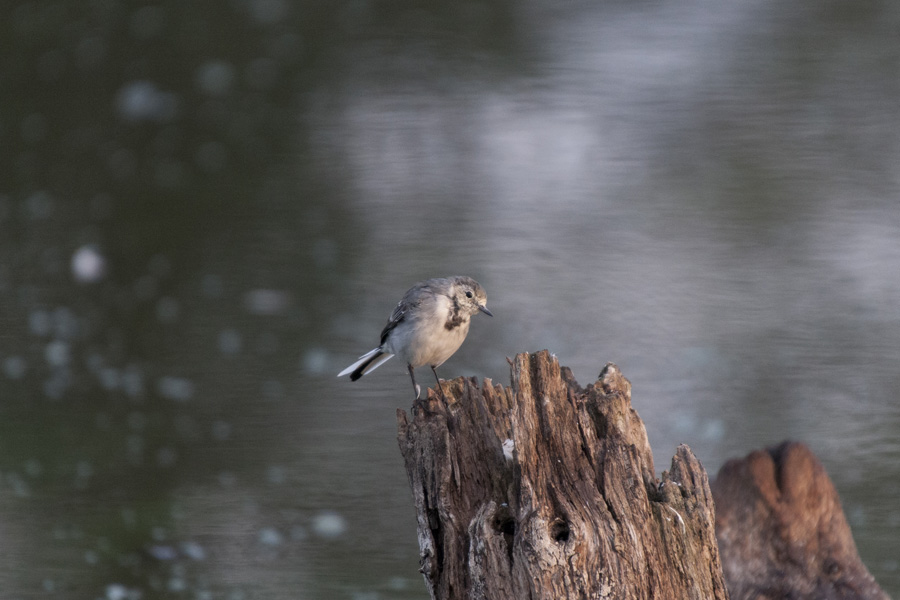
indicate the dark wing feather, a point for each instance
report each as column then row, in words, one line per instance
column 396, row 318
column 412, row 299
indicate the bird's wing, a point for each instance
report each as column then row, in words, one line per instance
column 412, row 299
column 396, row 318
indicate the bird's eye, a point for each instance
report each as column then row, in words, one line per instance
column 468, row 293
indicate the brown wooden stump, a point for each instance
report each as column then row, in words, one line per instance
column 782, row 532
column 547, row 491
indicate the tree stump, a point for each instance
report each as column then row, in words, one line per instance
column 782, row 532
column 547, row 491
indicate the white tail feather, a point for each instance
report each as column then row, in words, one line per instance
column 377, row 363
column 367, row 356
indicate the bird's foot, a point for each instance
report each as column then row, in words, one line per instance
column 422, row 404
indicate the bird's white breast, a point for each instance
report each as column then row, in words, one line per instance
column 423, row 339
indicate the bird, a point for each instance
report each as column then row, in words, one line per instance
column 427, row 327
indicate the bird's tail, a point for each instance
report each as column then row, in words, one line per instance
column 367, row 362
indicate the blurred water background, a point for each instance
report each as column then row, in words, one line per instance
column 207, row 209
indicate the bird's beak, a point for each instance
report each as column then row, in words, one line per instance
column 485, row 310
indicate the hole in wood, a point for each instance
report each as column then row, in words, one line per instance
column 559, row 531
column 505, row 524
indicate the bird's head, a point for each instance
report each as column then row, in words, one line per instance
column 470, row 295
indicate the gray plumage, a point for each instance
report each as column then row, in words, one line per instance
column 428, row 325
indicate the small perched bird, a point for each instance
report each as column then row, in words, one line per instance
column 428, row 325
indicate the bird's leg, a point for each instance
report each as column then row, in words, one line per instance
column 440, row 386
column 415, row 385
column 423, row 404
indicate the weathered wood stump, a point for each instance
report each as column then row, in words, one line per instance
column 782, row 532
column 547, row 491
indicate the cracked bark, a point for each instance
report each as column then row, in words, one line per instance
column 546, row 490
